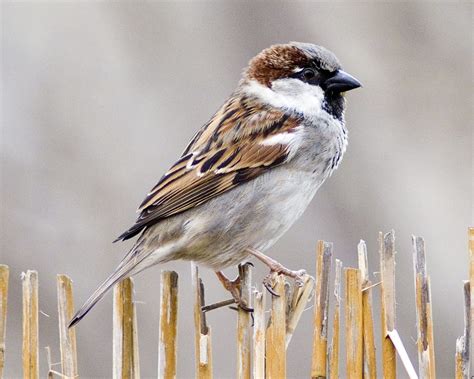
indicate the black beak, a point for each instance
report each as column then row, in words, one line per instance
column 340, row 82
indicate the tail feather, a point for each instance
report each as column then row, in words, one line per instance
column 133, row 263
column 98, row 294
column 127, row 267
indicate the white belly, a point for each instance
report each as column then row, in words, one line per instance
column 254, row 215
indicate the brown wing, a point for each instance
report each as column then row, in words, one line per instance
column 226, row 152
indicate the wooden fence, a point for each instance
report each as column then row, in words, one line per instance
column 262, row 340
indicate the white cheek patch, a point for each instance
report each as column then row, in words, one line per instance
column 290, row 94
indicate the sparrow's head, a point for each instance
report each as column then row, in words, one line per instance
column 299, row 77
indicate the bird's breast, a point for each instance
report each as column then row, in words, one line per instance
column 323, row 146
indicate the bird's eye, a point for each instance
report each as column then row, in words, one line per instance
column 308, row 74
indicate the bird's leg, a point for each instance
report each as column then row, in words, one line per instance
column 233, row 286
column 278, row 268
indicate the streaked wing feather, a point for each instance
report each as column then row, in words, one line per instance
column 225, row 153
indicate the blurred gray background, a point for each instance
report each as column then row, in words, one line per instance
column 100, row 98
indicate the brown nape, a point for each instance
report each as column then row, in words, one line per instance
column 277, row 61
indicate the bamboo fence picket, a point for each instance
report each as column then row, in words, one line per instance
column 30, row 324
column 425, row 342
column 370, row 364
column 334, row 351
column 67, row 336
column 259, row 331
column 300, row 296
column 387, row 272
column 243, row 325
column 202, row 339
column 4, row 274
column 321, row 309
column 168, row 329
column 275, row 339
column 125, row 343
column 463, row 355
column 354, row 324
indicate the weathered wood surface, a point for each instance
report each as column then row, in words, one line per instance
column 424, row 318
column 334, row 350
column 297, row 303
column 168, row 329
column 370, row 364
column 244, row 336
column 67, row 336
column 30, row 324
column 125, row 340
column 275, row 341
column 202, row 335
column 259, row 335
column 463, row 343
column 321, row 309
column 387, row 273
column 4, row 274
column 354, row 323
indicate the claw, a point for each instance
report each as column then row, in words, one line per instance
column 245, row 308
column 248, row 263
column 299, row 277
column 267, row 282
column 242, row 307
column 270, row 289
column 233, row 286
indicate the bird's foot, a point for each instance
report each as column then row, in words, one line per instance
column 233, row 286
column 297, row 275
column 278, row 268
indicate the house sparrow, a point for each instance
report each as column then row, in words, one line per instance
column 249, row 173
